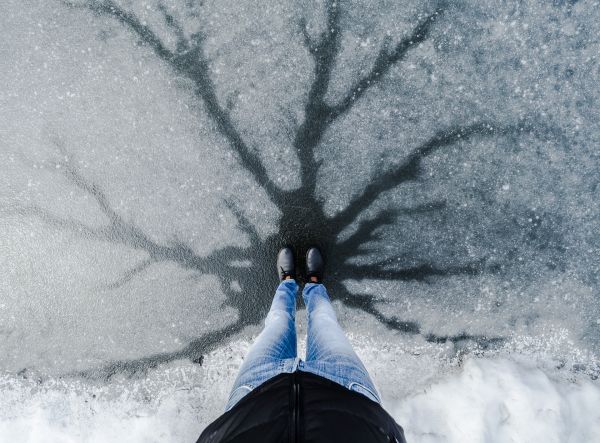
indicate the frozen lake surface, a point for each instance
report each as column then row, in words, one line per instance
column 154, row 155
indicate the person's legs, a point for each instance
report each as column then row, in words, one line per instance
column 273, row 348
column 328, row 351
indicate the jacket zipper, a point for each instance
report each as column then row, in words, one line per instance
column 295, row 431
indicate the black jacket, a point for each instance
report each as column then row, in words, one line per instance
column 303, row 407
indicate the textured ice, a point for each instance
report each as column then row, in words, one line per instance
column 153, row 156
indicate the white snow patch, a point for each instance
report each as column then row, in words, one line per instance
column 501, row 401
column 480, row 400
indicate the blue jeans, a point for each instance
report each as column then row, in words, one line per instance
column 329, row 354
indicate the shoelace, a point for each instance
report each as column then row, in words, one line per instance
column 285, row 274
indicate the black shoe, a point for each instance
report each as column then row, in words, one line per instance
column 286, row 266
column 314, row 264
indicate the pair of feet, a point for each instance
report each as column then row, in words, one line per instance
column 286, row 264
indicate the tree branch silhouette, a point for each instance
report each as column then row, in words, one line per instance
column 368, row 229
column 317, row 112
column 194, row 351
column 130, row 274
column 408, row 169
column 192, row 64
column 366, row 303
column 379, row 271
column 173, row 24
column 110, row 8
column 117, row 230
column 385, row 60
column 188, row 59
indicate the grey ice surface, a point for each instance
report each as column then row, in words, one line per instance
column 154, row 156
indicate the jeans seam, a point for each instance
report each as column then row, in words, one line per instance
column 366, row 388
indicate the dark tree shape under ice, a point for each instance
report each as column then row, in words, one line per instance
column 303, row 219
